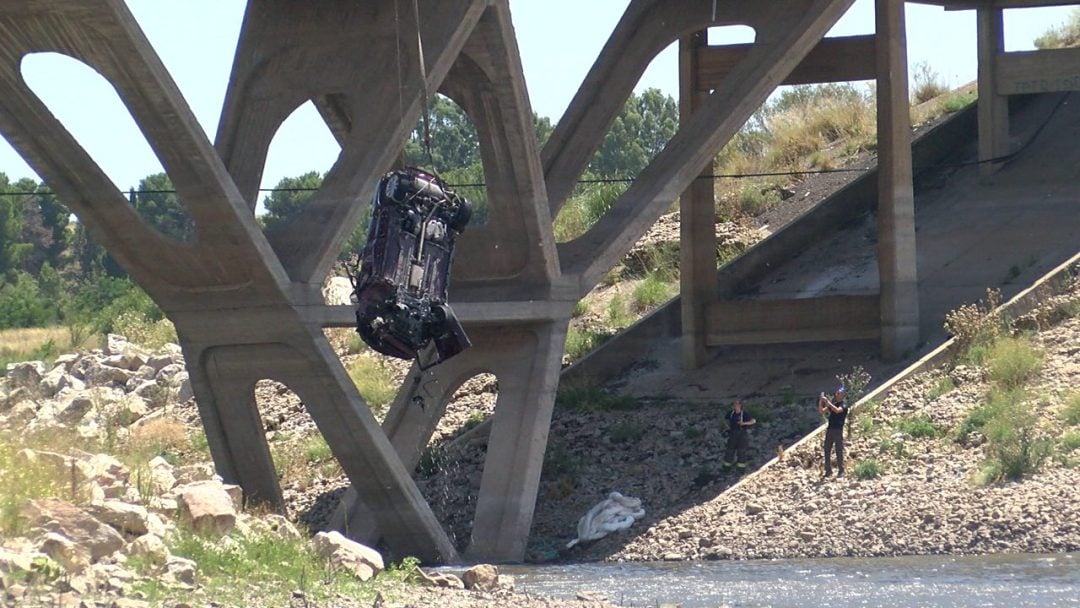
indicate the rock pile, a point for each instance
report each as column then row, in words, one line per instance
column 109, row 535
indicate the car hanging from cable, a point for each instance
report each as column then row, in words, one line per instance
column 401, row 280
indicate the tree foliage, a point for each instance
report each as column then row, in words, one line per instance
column 158, row 205
column 645, row 125
column 289, row 198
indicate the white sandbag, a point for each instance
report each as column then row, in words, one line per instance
column 616, row 512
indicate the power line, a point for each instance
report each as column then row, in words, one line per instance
column 626, row 180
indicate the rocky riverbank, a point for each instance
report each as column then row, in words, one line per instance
column 141, row 519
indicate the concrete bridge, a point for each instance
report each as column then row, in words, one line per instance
column 247, row 306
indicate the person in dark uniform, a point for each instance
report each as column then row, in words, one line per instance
column 738, row 443
column 837, row 410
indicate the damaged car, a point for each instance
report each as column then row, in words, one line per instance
column 400, row 284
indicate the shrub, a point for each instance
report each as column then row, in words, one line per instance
column 917, row 427
column 868, row 469
column 976, row 324
column 618, row 313
column 1014, row 443
column 374, row 381
column 652, row 292
column 1063, row 36
column 1011, row 361
column 1069, row 442
column 579, row 342
column 139, row 329
column 927, row 84
column 1071, row 412
column 959, row 101
column 979, row 417
column 942, row 386
column 166, row 437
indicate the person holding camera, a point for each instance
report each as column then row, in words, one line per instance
column 737, row 452
column 837, row 410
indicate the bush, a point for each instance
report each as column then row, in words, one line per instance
column 917, row 427
column 978, row 418
column 374, row 381
column 1014, row 443
column 580, row 342
column 139, row 329
column 868, row 469
column 652, row 292
column 1071, row 412
column 1011, row 362
column 927, row 84
column 22, row 304
column 1063, row 36
column 943, row 386
column 976, row 324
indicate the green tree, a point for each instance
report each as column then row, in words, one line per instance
column 157, row 203
column 645, row 125
column 12, row 247
column 288, row 200
column 453, row 138
column 21, row 303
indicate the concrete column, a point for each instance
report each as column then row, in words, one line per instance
column 993, row 108
column 697, row 229
column 515, row 454
column 897, row 265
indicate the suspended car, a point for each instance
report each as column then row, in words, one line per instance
column 400, row 284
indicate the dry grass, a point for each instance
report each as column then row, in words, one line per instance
column 40, row 343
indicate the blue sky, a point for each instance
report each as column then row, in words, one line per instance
column 196, row 40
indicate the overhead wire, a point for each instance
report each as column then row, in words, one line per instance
column 621, row 180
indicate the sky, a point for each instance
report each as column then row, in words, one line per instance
column 196, row 40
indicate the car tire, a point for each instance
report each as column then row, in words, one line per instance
column 461, row 217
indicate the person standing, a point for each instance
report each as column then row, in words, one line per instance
column 737, row 452
column 837, row 410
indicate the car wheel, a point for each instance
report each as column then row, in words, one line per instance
column 461, row 216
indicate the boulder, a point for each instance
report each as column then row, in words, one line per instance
column 64, row 551
column 441, row 579
column 125, row 518
column 27, row 374
column 151, row 548
column 57, row 380
column 159, row 360
column 342, row 552
column 162, row 478
column 73, row 410
column 167, row 373
column 14, row 565
column 207, row 506
column 85, row 531
column 115, row 344
column 100, row 374
column 184, row 391
column 180, row 571
column 481, row 577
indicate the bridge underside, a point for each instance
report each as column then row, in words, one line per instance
column 247, row 306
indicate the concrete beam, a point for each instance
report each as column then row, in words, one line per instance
column 828, row 318
column 993, row 107
column 841, row 59
column 352, row 52
column 1047, row 71
column 896, row 252
column 783, row 40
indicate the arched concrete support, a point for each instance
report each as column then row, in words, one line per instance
column 528, row 379
column 365, row 56
column 488, row 83
column 786, row 31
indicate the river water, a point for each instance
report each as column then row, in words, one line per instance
column 1012, row 581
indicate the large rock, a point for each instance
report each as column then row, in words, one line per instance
column 115, row 344
column 184, row 390
column 362, row 561
column 151, row 548
column 444, row 580
column 481, row 577
column 59, row 379
column 126, row 518
column 66, row 552
column 207, row 506
column 27, row 374
column 85, row 531
column 100, row 374
column 180, row 571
